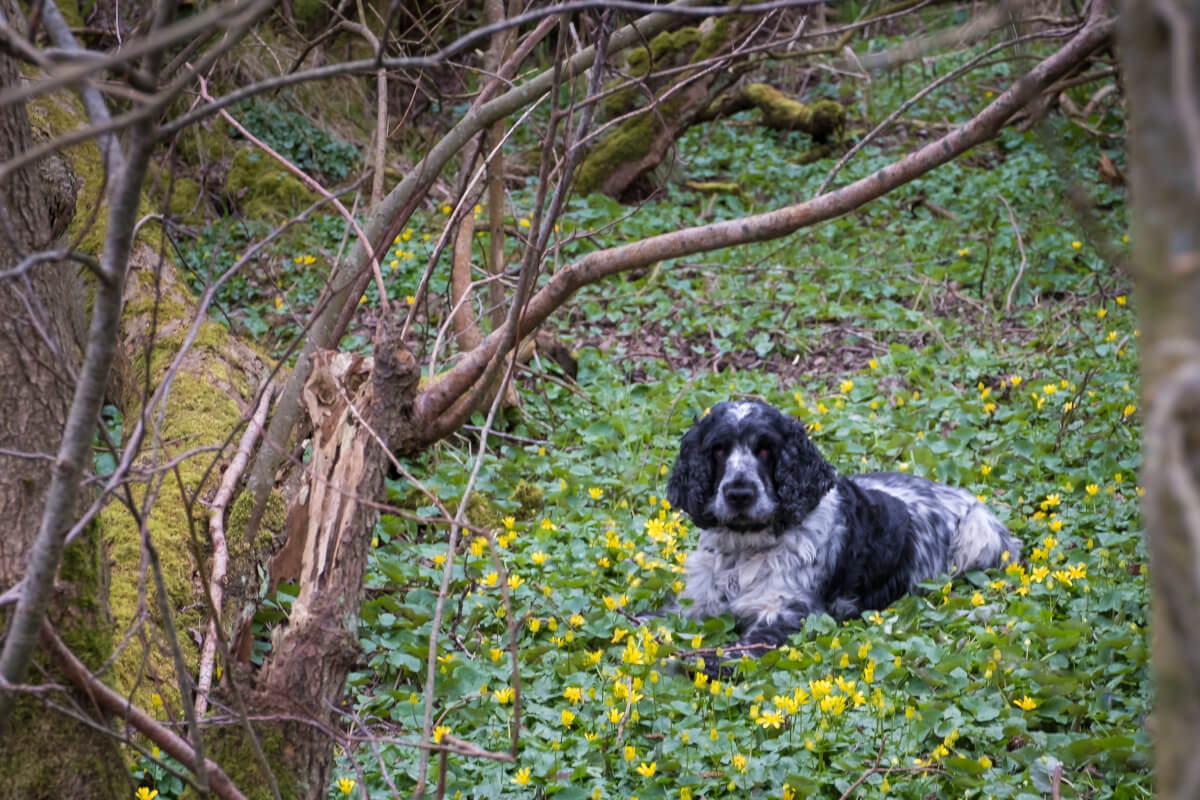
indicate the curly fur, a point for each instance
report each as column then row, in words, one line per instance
column 784, row 536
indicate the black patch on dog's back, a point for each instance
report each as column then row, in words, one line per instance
column 876, row 562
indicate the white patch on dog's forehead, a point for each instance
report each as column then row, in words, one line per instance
column 740, row 411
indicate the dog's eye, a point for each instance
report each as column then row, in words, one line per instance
column 719, row 452
column 764, row 452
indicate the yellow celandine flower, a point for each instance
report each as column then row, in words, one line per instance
column 740, row 761
column 964, row 251
column 567, row 718
column 833, row 704
column 788, row 793
column 685, row 793
column 439, row 732
column 574, row 694
column 712, row 734
column 647, row 770
column 630, row 753
column 491, row 578
column 1101, row 312
column 984, row 469
column 985, row 762
column 503, row 695
column 977, row 599
column 771, row 719
column 515, row 580
column 596, row 493
column 524, row 223
column 1128, row 410
column 146, row 793
column 278, row 303
column 1076, row 244
column 522, row 777
column 846, row 386
column 547, row 525
column 410, row 299
column 538, row 557
column 1026, row 703
column 614, row 716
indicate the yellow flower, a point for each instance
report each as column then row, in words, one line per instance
column 984, row 469
column 278, row 303
column 1075, row 245
column 156, row 699
column 567, row 718
column 647, row 770
column 1015, row 380
column 685, row 793
column 1026, row 703
column 596, row 493
column 515, row 580
column 146, row 793
column 535, row 624
column 985, row 762
column 446, row 210
column 523, row 222
column 439, row 732
column 538, row 557
column 573, row 693
column 739, row 761
column 1101, row 312
column 1128, row 410
column 846, row 386
column 630, row 752
column 977, row 599
column 309, row 260
column 522, row 778
column 1121, row 299
column 410, row 299
column 771, row 719
column 490, row 579
column 788, row 793
column 503, row 695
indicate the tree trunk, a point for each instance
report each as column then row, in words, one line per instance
column 45, row 752
column 1162, row 72
column 352, row 402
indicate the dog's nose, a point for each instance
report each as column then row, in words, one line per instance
column 739, row 496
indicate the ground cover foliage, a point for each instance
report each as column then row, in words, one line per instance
column 907, row 339
column 885, row 332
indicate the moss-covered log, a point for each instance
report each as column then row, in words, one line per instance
column 637, row 146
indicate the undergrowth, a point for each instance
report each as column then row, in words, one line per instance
column 917, row 334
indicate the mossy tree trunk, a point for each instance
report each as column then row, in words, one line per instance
column 1162, row 71
column 44, row 752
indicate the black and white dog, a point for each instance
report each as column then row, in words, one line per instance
column 784, row 536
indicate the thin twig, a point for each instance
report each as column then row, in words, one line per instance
column 220, row 557
column 1021, row 247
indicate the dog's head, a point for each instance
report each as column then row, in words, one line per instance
column 747, row 468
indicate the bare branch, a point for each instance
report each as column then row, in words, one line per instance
column 435, row 402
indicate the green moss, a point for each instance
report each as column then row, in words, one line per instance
column 274, row 520
column 482, row 513
column 228, row 746
column 530, row 497
column 262, row 189
column 633, row 138
column 196, row 412
column 667, row 49
column 629, row 142
column 205, row 143
column 819, row 120
column 47, row 754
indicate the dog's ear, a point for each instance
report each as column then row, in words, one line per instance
column 802, row 475
column 691, row 479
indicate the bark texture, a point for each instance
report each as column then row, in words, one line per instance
column 1162, row 68
column 357, row 407
column 44, row 752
